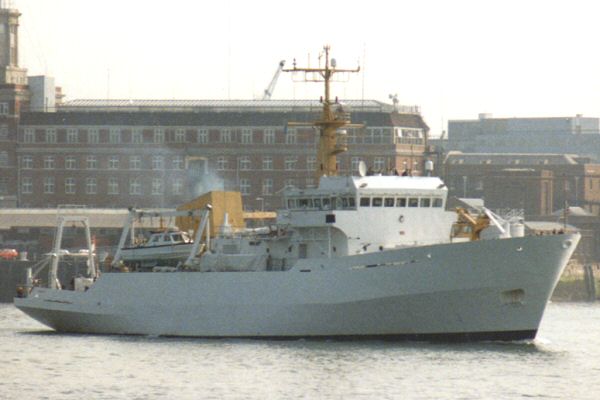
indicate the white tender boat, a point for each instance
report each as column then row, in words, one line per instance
column 160, row 247
column 356, row 257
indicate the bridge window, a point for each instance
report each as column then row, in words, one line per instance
column 388, row 202
column 317, row 203
column 401, row 202
column 413, row 202
column 425, row 202
column 437, row 202
column 377, row 202
column 365, row 201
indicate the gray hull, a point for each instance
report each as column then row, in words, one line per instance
column 489, row 289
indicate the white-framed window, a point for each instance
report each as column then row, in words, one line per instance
column 290, row 136
column 49, row 162
column 113, row 162
column 50, row 135
column 245, row 186
column 3, row 158
column 225, row 135
column 91, row 162
column 26, row 185
column 379, row 164
column 3, row 185
column 269, row 136
column 3, row 132
column 178, row 162
column 180, row 135
column 310, row 182
column 91, row 186
column 202, row 135
column 354, row 163
column 70, row 186
column 177, row 186
column 246, row 136
column 221, row 163
column 267, row 163
column 290, row 182
column 114, row 136
column 135, row 186
column 70, row 162
column 4, row 109
column 135, row 162
column 48, row 185
column 93, row 136
column 157, row 186
column 113, row 185
column 311, row 163
column 159, row 135
column 267, row 186
column 27, row 162
column 244, row 163
column 158, row 162
column 29, row 135
column 72, row 135
column 290, row 163
column 137, row 136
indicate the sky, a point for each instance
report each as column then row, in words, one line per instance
column 454, row 59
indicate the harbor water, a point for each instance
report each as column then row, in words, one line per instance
column 562, row 363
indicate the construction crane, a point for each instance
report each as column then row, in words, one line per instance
column 269, row 90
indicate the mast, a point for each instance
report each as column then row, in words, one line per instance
column 332, row 138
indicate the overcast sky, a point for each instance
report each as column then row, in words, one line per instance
column 455, row 59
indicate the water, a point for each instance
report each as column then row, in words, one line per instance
column 562, row 363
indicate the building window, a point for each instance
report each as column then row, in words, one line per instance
column 114, row 136
column 27, row 162
column 137, row 136
column 113, row 185
column 70, row 185
column 3, row 158
column 202, row 136
column 221, row 163
column 70, row 162
column 72, row 135
column 354, row 163
column 310, row 182
column 3, row 132
column 290, row 163
column 50, row 135
column 157, row 186
column 178, row 186
column 269, row 136
column 158, row 162
column 91, row 162
column 289, row 183
column 4, row 110
column 267, row 163
column 91, row 186
column 290, row 136
column 379, row 164
column 244, row 163
column 178, row 162
column 311, row 163
column 245, row 187
column 246, row 136
column 93, row 136
column 135, row 186
column 26, row 185
column 267, row 186
column 48, row 162
column 113, row 162
column 225, row 135
column 29, row 135
column 180, row 135
column 3, row 185
column 159, row 136
column 135, row 162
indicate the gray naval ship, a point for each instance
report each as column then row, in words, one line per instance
column 356, row 257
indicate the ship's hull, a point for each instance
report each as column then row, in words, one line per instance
column 484, row 290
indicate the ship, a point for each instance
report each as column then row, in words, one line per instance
column 370, row 256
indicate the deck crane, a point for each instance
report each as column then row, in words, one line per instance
column 269, row 90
